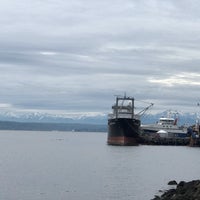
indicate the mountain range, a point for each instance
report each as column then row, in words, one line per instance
column 99, row 119
column 39, row 117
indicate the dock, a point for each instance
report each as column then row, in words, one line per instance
column 192, row 141
column 148, row 140
column 191, row 138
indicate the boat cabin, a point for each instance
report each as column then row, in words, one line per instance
column 123, row 108
column 166, row 121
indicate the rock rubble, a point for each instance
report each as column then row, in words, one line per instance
column 183, row 191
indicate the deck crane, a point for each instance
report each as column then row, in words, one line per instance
column 142, row 112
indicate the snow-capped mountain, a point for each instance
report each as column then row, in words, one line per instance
column 183, row 118
column 52, row 118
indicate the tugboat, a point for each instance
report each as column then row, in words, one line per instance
column 123, row 124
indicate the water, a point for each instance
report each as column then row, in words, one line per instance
column 70, row 165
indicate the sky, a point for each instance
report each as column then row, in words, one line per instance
column 74, row 56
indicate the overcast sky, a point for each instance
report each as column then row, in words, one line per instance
column 74, row 55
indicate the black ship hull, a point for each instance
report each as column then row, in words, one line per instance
column 123, row 131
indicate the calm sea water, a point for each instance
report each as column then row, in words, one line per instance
column 73, row 166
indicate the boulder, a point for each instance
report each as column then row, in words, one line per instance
column 184, row 191
column 173, row 182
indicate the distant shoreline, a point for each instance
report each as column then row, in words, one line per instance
column 36, row 126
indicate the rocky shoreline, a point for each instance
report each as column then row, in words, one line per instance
column 183, row 191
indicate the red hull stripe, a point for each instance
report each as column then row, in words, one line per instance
column 122, row 140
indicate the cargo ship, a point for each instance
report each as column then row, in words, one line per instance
column 123, row 124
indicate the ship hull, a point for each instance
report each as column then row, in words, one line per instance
column 122, row 131
column 176, row 132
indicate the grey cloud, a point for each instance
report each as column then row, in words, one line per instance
column 90, row 50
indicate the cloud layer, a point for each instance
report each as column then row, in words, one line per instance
column 74, row 56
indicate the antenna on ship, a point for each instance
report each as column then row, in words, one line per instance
column 197, row 116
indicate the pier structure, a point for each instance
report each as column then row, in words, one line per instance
column 153, row 140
